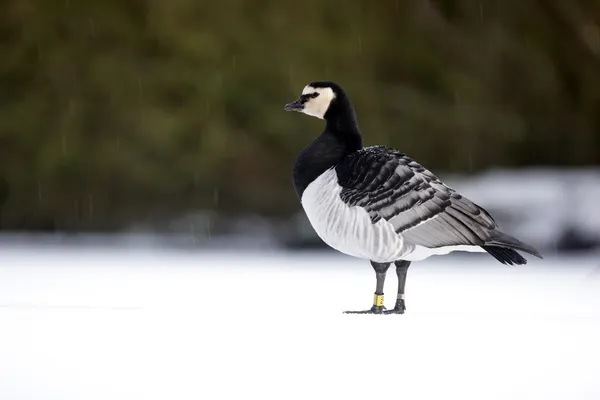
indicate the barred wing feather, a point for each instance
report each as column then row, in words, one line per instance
column 391, row 186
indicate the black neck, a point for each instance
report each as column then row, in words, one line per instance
column 341, row 119
column 340, row 138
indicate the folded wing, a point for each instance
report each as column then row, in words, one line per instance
column 391, row 186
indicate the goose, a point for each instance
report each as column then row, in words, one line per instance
column 378, row 204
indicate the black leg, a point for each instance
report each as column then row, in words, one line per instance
column 378, row 308
column 401, row 270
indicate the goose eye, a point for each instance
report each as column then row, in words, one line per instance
column 306, row 97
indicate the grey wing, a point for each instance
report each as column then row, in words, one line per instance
column 391, row 186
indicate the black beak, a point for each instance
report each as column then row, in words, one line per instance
column 297, row 105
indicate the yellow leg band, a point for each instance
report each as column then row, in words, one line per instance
column 378, row 300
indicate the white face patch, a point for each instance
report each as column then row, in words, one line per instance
column 317, row 106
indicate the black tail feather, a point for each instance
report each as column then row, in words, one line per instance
column 503, row 248
column 505, row 255
column 500, row 239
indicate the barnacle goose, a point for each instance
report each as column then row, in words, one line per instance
column 378, row 204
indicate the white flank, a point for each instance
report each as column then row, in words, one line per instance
column 349, row 229
column 420, row 252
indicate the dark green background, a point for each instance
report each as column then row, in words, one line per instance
column 114, row 112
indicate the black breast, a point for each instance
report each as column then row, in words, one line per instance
column 316, row 158
column 340, row 138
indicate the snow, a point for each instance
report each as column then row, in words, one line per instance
column 139, row 323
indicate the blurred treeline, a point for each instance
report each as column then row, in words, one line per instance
column 119, row 111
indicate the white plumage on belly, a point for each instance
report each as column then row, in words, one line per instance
column 349, row 229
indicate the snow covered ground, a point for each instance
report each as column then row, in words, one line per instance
column 105, row 323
